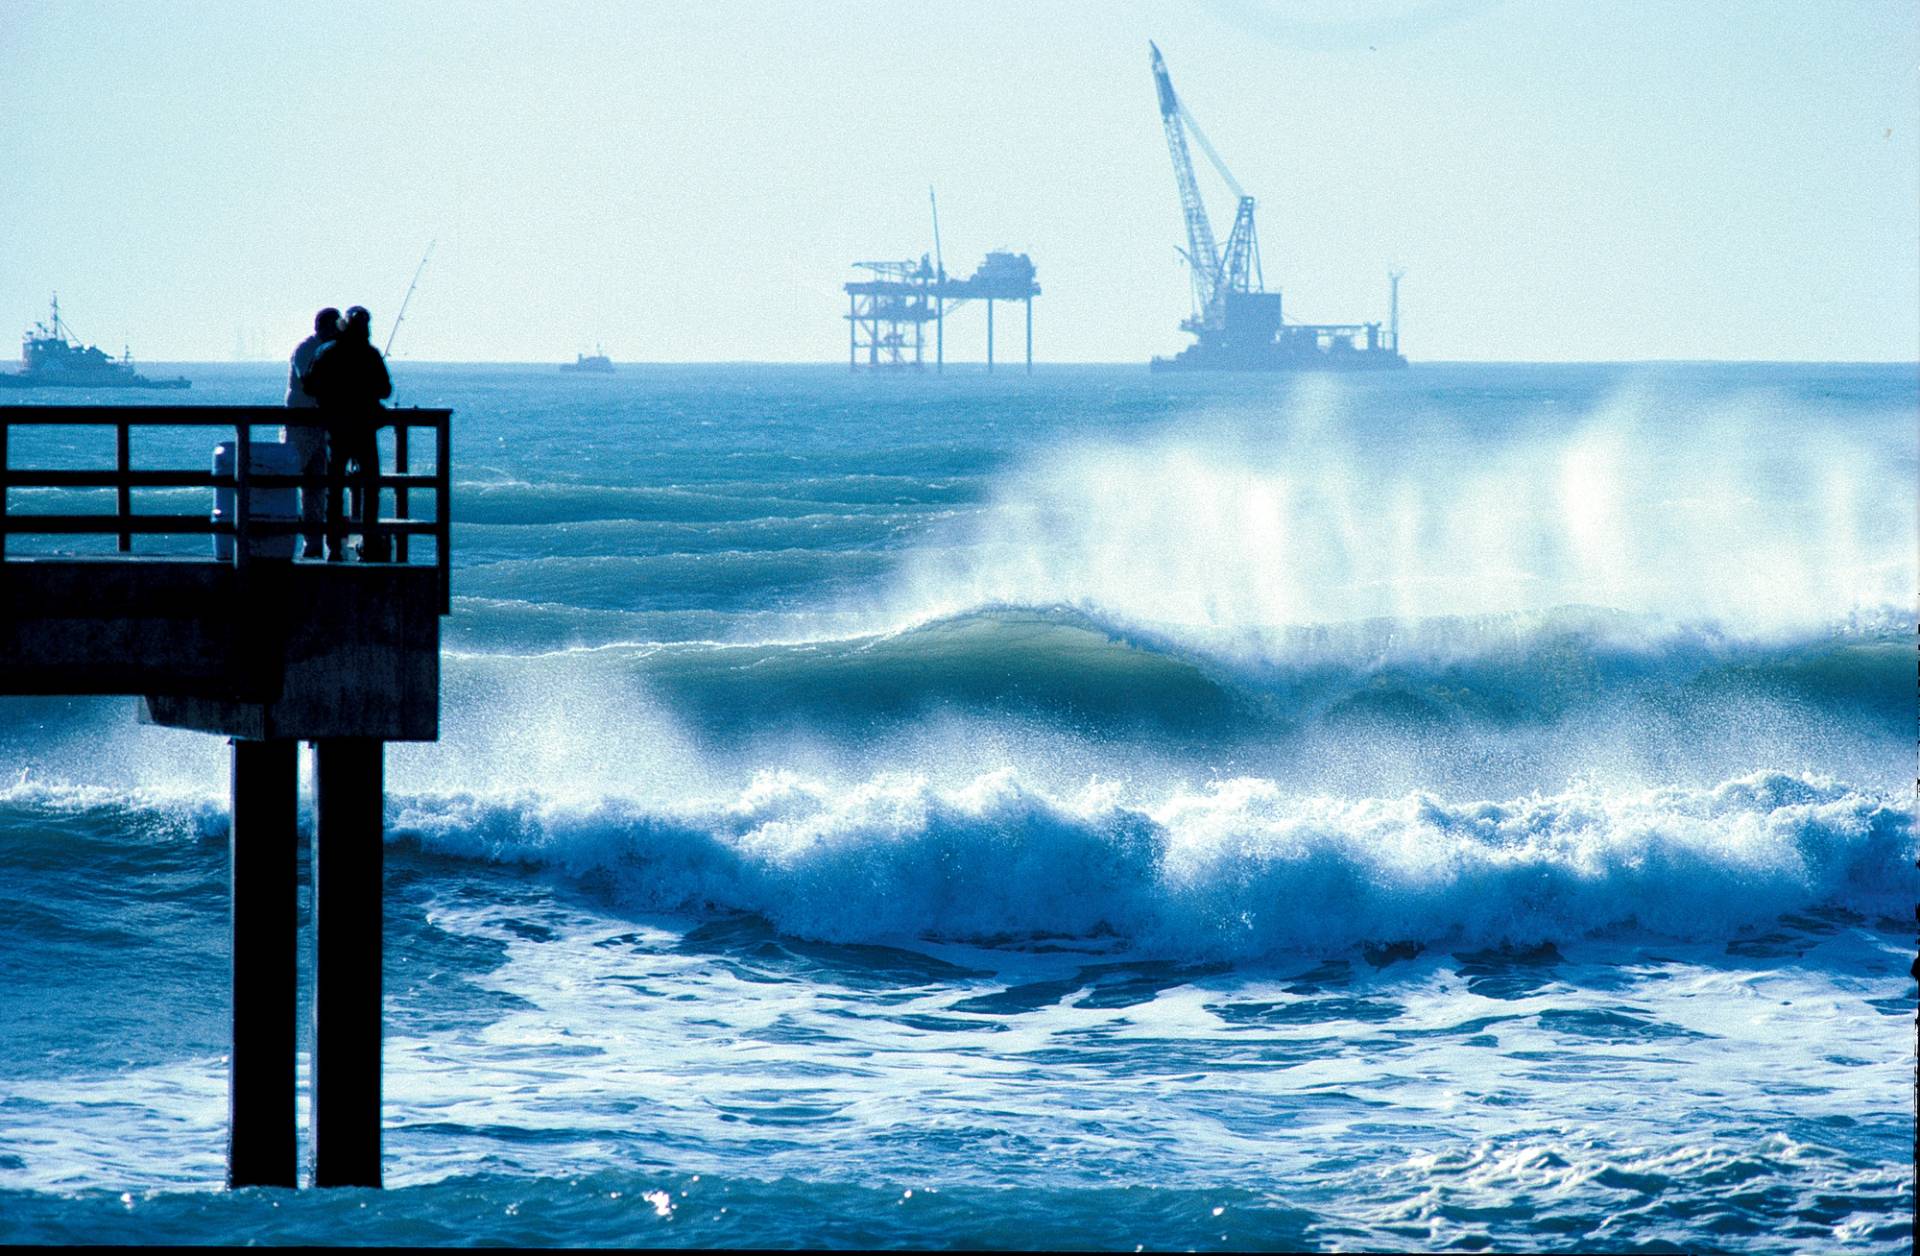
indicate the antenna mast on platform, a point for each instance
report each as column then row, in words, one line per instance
column 939, row 264
column 1393, row 308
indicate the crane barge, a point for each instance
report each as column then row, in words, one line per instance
column 1238, row 325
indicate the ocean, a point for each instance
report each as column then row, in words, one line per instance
column 1466, row 808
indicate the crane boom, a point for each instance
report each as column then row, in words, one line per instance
column 1219, row 166
column 1203, row 257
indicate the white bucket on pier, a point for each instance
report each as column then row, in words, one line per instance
column 265, row 505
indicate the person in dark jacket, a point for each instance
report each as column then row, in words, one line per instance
column 309, row 440
column 349, row 380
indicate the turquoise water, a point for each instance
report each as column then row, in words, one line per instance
column 1470, row 808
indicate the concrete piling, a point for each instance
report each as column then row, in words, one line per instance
column 347, row 923
column 263, row 847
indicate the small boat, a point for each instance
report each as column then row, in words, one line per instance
column 595, row 363
column 51, row 358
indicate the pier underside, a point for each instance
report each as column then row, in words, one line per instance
column 275, row 650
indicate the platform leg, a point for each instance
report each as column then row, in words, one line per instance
column 263, row 845
column 347, row 918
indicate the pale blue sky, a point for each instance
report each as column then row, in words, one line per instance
column 1561, row 181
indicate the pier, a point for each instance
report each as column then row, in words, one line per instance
column 268, row 651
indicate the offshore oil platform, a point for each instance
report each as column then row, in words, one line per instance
column 887, row 315
column 1238, row 324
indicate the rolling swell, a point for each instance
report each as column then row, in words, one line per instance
column 523, row 504
column 720, row 579
column 1045, row 664
column 1237, row 869
column 1095, row 671
column 483, row 543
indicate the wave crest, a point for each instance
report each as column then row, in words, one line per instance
column 1239, row 868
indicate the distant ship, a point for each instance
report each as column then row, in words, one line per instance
column 51, row 358
column 595, row 363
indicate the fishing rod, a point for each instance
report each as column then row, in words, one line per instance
column 408, row 299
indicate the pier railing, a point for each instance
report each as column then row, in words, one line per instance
column 246, row 530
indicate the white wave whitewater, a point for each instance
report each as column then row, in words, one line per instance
column 1736, row 512
column 1467, row 809
column 1223, row 872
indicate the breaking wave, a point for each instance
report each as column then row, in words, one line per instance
column 1239, row 868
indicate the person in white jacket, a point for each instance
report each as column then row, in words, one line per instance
column 309, row 440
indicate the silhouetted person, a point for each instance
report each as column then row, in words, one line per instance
column 309, row 440
column 349, row 380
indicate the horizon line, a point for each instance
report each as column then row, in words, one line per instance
column 1017, row 368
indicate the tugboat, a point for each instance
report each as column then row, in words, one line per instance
column 51, row 358
column 595, row 363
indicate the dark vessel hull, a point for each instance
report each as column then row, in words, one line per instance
column 1274, row 358
column 1250, row 336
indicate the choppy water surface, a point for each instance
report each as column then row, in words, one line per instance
column 1465, row 809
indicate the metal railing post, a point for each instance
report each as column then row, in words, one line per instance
column 443, row 508
column 400, row 493
column 123, row 505
column 242, row 478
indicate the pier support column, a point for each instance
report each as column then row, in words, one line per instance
column 263, row 845
column 347, row 917
column 940, row 336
